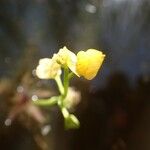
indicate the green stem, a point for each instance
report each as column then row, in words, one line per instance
column 47, row 102
column 59, row 84
column 65, row 112
column 66, row 82
column 70, row 75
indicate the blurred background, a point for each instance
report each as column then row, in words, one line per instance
column 115, row 107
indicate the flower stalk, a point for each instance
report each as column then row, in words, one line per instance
column 59, row 84
column 66, row 81
column 47, row 102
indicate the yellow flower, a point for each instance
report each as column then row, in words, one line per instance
column 66, row 58
column 89, row 62
column 85, row 64
column 48, row 69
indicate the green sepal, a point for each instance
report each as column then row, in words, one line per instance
column 71, row 122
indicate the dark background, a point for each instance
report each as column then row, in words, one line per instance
column 115, row 108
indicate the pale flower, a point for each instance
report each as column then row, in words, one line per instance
column 66, row 58
column 48, row 69
column 89, row 62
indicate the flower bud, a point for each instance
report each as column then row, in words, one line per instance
column 71, row 122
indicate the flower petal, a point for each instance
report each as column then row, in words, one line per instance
column 66, row 58
column 47, row 69
column 89, row 62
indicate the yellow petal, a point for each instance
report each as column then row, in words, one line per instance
column 89, row 62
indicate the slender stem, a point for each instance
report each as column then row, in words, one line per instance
column 70, row 75
column 59, row 84
column 60, row 101
column 66, row 81
column 47, row 102
column 65, row 112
